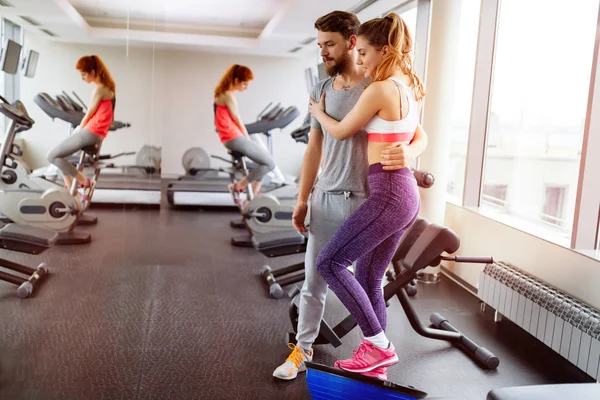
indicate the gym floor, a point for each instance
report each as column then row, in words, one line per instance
column 160, row 306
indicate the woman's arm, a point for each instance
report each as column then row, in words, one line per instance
column 231, row 104
column 368, row 105
column 419, row 143
column 93, row 106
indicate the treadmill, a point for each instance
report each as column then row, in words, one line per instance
column 142, row 186
column 198, row 190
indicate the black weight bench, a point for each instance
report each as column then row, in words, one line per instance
column 277, row 244
column 280, row 243
column 25, row 239
column 421, row 246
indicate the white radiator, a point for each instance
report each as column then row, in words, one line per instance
column 566, row 325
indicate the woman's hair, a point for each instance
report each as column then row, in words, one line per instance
column 393, row 32
column 236, row 71
column 95, row 63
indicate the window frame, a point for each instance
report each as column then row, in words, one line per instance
column 586, row 226
column 481, row 104
column 586, row 222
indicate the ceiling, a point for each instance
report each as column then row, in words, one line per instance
column 261, row 27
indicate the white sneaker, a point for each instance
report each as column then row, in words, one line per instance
column 293, row 364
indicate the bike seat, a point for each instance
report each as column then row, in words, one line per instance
column 92, row 150
column 236, row 155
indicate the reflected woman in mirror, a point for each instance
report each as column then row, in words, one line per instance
column 232, row 131
column 94, row 126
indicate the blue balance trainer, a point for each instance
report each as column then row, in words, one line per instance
column 334, row 383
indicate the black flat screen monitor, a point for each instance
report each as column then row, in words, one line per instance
column 11, row 55
column 311, row 79
column 31, row 64
column 322, row 71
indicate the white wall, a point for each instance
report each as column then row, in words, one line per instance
column 56, row 72
column 189, row 82
column 565, row 269
column 167, row 96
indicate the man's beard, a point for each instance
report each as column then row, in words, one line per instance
column 340, row 66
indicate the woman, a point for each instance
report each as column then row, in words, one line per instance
column 232, row 131
column 93, row 127
column 388, row 110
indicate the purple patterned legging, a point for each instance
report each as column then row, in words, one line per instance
column 370, row 236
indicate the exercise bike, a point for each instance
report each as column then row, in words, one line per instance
column 22, row 176
column 271, row 210
column 46, row 205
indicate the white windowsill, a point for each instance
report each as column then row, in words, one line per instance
column 590, row 253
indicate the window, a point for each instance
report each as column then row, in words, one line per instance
column 463, row 93
column 539, row 98
column 554, row 204
column 2, row 92
column 409, row 15
column 495, row 194
column 9, row 84
column 408, row 12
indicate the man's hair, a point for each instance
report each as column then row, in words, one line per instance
column 343, row 22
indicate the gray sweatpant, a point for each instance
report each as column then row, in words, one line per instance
column 76, row 141
column 328, row 211
column 256, row 153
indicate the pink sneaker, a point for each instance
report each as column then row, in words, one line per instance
column 378, row 373
column 368, row 357
column 235, row 192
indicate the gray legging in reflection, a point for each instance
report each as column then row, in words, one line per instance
column 256, row 153
column 76, row 141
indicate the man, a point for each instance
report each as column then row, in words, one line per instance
column 342, row 186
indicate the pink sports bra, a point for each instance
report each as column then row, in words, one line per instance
column 380, row 130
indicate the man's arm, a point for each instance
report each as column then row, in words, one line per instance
column 310, row 169
column 398, row 155
column 312, row 155
column 310, row 164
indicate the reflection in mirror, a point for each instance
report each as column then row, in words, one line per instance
column 96, row 69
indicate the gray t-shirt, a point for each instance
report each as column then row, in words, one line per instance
column 344, row 164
